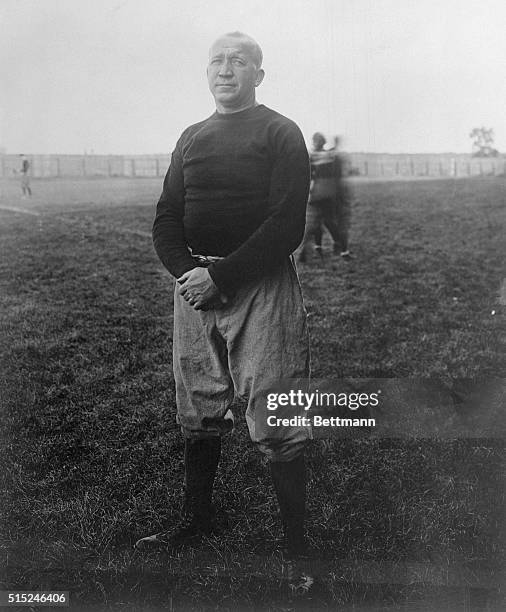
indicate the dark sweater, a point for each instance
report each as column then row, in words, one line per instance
column 237, row 187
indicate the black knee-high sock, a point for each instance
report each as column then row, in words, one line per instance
column 201, row 458
column 289, row 480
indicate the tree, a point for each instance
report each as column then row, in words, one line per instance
column 483, row 140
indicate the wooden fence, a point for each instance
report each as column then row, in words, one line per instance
column 423, row 165
column 51, row 166
column 374, row 165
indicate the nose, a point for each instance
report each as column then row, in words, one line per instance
column 225, row 68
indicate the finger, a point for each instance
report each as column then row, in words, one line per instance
column 182, row 279
column 184, row 290
column 199, row 302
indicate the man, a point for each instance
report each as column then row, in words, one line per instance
column 231, row 213
column 329, row 202
column 25, row 177
column 343, row 202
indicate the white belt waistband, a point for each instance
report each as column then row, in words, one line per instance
column 206, row 259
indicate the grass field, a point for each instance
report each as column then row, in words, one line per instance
column 92, row 458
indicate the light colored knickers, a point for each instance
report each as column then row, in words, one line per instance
column 259, row 336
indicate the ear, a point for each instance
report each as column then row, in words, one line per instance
column 260, row 77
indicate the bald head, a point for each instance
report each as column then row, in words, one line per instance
column 249, row 44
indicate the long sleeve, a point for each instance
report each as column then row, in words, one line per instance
column 282, row 231
column 237, row 188
column 168, row 229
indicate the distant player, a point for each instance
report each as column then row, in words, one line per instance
column 25, row 177
column 329, row 204
column 343, row 204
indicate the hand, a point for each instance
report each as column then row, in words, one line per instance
column 199, row 290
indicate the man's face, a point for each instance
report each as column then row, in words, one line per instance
column 232, row 74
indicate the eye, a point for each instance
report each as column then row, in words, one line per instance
column 238, row 62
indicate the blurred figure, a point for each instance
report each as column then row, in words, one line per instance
column 343, row 202
column 25, row 177
column 329, row 202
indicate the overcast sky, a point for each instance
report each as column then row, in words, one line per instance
column 127, row 76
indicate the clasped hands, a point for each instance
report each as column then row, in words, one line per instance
column 198, row 289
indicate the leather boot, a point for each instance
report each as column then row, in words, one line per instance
column 289, row 480
column 201, row 458
column 290, row 484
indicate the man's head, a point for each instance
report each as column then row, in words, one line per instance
column 234, row 71
column 318, row 141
